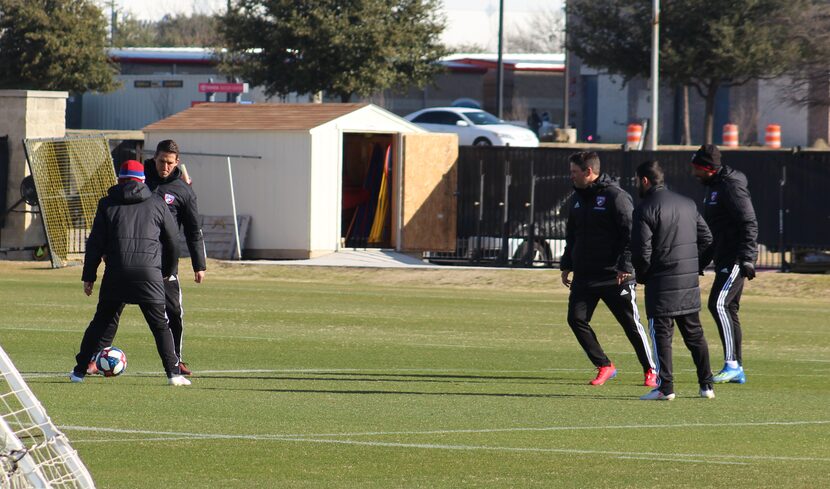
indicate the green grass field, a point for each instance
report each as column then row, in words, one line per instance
column 385, row 378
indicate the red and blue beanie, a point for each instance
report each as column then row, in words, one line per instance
column 131, row 170
column 707, row 158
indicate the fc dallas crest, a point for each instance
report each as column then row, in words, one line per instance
column 169, row 198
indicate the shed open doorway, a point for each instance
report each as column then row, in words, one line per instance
column 368, row 164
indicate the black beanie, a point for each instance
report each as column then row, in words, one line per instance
column 708, row 157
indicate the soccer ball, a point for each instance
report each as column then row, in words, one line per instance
column 111, row 361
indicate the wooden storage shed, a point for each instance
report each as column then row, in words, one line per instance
column 316, row 178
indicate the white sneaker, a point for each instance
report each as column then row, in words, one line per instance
column 75, row 378
column 656, row 395
column 707, row 393
column 178, row 380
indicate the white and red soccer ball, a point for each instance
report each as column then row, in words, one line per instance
column 111, row 362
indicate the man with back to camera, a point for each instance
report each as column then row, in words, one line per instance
column 728, row 210
column 165, row 177
column 596, row 251
column 668, row 239
column 134, row 230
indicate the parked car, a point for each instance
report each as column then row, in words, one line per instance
column 474, row 127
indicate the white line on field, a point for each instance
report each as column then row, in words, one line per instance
column 310, row 438
column 662, row 459
column 302, row 439
column 391, row 371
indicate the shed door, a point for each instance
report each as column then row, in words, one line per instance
column 428, row 185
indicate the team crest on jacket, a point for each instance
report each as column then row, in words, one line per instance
column 713, row 198
column 169, row 199
column 600, row 203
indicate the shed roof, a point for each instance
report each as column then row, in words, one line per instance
column 252, row 117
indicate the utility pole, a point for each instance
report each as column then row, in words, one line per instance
column 113, row 22
column 500, row 66
column 655, row 74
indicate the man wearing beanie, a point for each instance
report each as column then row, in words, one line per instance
column 728, row 210
column 136, row 233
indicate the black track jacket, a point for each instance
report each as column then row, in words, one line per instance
column 181, row 200
column 667, row 237
column 135, row 233
column 598, row 233
column 730, row 215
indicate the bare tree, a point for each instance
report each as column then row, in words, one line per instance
column 810, row 82
column 545, row 33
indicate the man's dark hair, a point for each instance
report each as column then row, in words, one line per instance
column 652, row 170
column 167, row 146
column 585, row 159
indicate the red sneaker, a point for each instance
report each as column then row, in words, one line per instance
column 650, row 378
column 183, row 369
column 604, row 373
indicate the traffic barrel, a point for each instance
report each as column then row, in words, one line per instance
column 773, row 136
column 730, row 135
column 633, row 135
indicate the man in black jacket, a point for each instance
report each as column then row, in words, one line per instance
column 667, row 238
column 596, row 251
column 136, row 236
column 728, row 210
column 164, row 176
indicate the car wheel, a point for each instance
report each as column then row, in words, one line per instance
column 540, row 255
column 482, row 142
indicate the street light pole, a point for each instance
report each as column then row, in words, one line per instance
column 655, row 74
column 500, row 66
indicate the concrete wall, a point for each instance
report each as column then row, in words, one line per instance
column 26, row 114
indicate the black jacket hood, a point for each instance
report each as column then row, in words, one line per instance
column 602, row 182
column 130, row 192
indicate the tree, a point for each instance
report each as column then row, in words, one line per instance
column 704, row 44
column 197, row 30
column 543, row 34
column 131, row 32
column 810, row 81
column 343, row 48
column 54, row 45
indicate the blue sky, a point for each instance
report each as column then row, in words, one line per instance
column 468, row 21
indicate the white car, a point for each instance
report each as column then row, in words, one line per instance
column 473, row 126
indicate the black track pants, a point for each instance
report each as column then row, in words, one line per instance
column 175, row 312
column 662, row 331
column 101, row 332
column 724, row 303
column 621, row 300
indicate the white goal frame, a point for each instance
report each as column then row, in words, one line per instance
column 33, row 452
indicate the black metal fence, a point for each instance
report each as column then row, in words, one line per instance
column 512, row 201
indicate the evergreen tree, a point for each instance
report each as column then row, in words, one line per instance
column 343, row 48
column 54, row 45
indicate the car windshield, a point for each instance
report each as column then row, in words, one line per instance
column 483, row 118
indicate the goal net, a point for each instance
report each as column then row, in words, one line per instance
column 71, row 174
column 33, row 452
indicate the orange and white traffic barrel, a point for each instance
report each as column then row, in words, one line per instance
column 633, row 135
column 730, row 135
column 773, row 136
